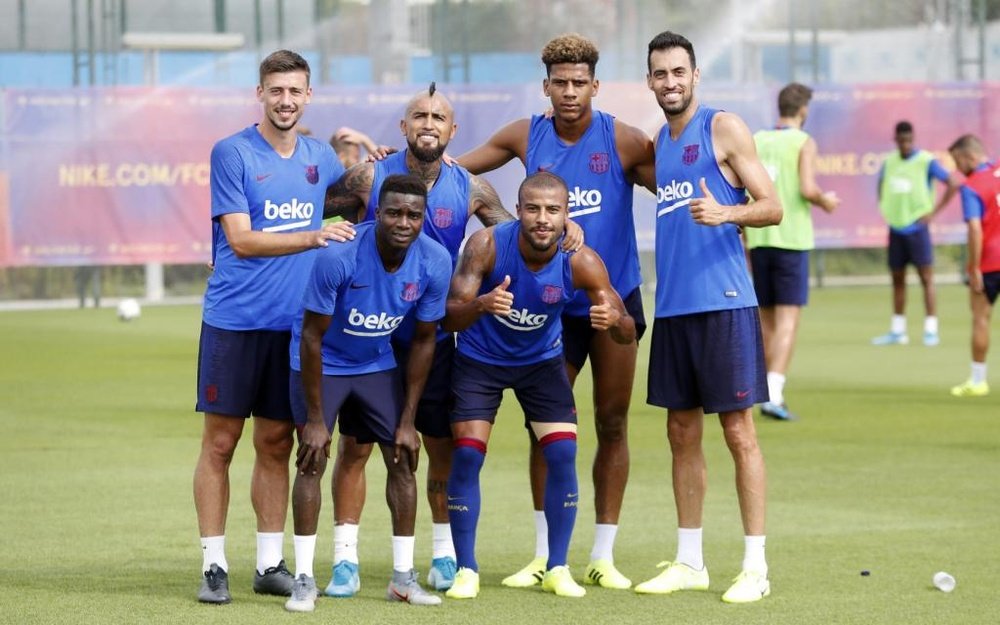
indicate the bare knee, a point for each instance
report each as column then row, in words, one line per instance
column 684, row 435
column 219, row 444
column 740, row 435
column 611, row 422
column 351, row 454
column 273, row 441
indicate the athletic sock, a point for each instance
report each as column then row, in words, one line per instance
column 753, row 554
column 776, row 387
column 931, row 325
column 213, row 551
column 561, row 493
column 541, row 535
column 305, row 553
column 464, row 498
column 269, row 548
column 441, row 545
column 604, row 542
column 345, row 543
column 402, row 553
column 978, row 372
column 689, row 547
column 898, row 324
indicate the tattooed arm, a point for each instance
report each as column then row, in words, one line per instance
column 348, row 197
column 485, row 204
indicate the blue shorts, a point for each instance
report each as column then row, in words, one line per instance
column 243, row 373
column 542, row 389
column 780, row 277
column 991, row 286
column 378, row 398
column 913, row 248
column 712, row 360
column 578, row 333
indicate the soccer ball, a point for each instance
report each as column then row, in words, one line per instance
column 128, row 309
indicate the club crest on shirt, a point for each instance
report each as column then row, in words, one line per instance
column 411, row 291
column 551, row 294
column 443, row 217
column 599, row 162
column 690, row 154
column 312, row 174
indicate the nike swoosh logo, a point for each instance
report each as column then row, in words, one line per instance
column 450, row 498
column 359, row 286
column 742, row 394
column 263, row 177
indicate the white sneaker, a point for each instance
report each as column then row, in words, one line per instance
column 304, row 593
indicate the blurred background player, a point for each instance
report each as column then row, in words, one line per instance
column 600, row 158
column 981, row 209
column 506, row 300
column 268, row 184
column 356, row 298
column 906, row 199
column 347, row 143
column 453, row 197
column 707, row 354
column 779, row 254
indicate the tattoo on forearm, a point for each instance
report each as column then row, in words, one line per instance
column 346, row 198
column 486, row 203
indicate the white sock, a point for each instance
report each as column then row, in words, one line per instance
column 978, row 372
column 689, row 547
column 305, row 553
column 213, row 551
column 931, row 325
column 269, row 548
column 898, row 324
column 604, row 542
column 753, row 554
column 442, row 547
column 345, row 543
column 776, row 387
column 402, row 553
column 541, row 535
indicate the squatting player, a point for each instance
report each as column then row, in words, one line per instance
column 506, row 300
column 356, row 298
column 600, row 158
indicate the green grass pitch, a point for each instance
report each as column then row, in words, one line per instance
column 885, row 472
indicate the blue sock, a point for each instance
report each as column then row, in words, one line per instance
column 561, row 493
column 463, row 498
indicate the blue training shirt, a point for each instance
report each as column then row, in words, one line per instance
column 532, row 332
column 280, row 195
column 367, row 303
column 446, row 216
column 600, row 197
column 698, row 268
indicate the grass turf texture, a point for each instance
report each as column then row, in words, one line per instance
column 885, row 472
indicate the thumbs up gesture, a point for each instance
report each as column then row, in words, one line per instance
column 705, row 210
column 602, row 314
column 499, row 300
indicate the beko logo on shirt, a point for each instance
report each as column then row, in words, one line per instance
column 584, row 201
column 676, row 194
column 371, row 325
column 523, row 320
column 302, row 212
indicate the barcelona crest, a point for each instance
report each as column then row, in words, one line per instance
column 551, row 294
column 599, row 162
column 443, row 217
column 411, row 291
column 690, row 154
column 312, row 174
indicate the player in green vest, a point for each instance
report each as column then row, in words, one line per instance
column 779, row 255
column 906, row 199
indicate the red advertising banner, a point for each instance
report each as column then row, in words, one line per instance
column 120, row 175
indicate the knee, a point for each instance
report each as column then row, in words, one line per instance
column 219, row 447
column 611, row 423
column 466, row 462
column 275, row 444
column 682, row 435
column 740, row 439
column 352, row 454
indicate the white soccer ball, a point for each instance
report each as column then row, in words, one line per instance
column 128, row 309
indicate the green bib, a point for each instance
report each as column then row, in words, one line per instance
column 779, row 152
column 905, row 194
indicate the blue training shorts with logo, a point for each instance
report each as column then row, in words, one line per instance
column 243, row 373
column 913, row 248
column 542, row 389
column 780, row 277
column 378, row 398
column 578, row 333
column 713, row 360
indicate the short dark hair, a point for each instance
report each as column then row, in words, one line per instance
column 403, row 184
column 282, row 62
column 968, row 143
column 542, row 180
column 903, row 127
column 570, row 48
column 792, row 98
column 667, row 40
